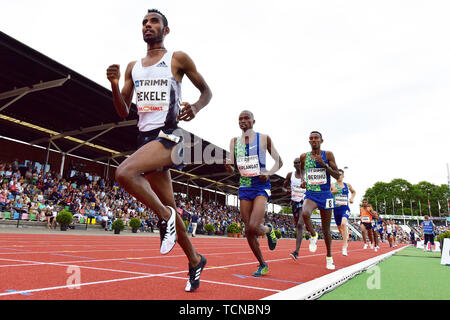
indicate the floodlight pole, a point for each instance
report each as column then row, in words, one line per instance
column 46, row 158
column 62, row 163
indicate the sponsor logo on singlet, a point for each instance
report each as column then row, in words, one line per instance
column 152, row 94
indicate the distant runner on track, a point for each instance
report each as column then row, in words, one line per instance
column 341, row 210
column 293, row 185
column 366, row 215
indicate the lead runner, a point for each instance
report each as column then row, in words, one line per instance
column 156, row 78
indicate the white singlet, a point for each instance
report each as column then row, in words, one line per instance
column 297, row 192
column 158, row 94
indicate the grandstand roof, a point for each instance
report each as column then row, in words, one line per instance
column 44, row 103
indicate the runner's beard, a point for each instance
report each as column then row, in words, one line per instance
column 154, row 39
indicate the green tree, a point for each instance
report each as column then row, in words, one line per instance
column 399, row 196
column 286, row 210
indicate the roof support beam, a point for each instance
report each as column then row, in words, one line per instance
column 215, row 183
column 57, row 148
column 118, row 155
column 87, row 130
column 21, row 92
column 93, row 138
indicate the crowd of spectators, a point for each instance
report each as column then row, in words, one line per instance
column 26, row 190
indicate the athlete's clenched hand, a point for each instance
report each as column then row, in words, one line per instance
column 188, row 112
column 113, row 73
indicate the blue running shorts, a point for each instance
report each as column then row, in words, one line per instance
column 251, row 194
column 339, row 213
column 324, row 200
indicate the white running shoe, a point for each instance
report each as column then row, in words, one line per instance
column 330, row 263
column 365, row 246
column 313, row 243
column 168, row 233
column 376, row 249
column 344, row 251
column 371, row 246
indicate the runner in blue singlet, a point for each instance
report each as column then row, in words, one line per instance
column 341, row 210
column 248, row 156
column 317, row 167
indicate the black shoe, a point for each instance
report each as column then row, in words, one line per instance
column 294, row 255
column 194, row 275
column 271, row 237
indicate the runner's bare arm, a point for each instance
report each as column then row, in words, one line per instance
column 183, row 65
column 287, row 183
column 121, row 99
column 274, row 154
column 229, row 162
column 302, row 169
column 332, row 168
column 353, row 192
column 372, row 212
column 333, row 189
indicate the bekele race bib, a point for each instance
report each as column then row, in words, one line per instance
column 316, row 176
column 153, row 94
column 249, row 166
column 365, row 219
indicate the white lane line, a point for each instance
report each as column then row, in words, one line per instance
column 107, row 250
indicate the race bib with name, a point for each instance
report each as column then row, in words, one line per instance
column 317, row 176
column 152, row 94
column 297, row 193
column 365, row 219
column 249, row 166
column 341, row 200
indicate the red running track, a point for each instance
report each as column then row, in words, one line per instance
column 121, row 267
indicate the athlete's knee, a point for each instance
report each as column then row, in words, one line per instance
column 300, row 224
column 325, row 228
column 123, row 174
column 305, row 214
column 251, row 229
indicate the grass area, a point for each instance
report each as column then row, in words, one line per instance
column 411, row 274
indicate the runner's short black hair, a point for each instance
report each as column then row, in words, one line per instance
column 165, row 22
column 249, row 112
column 317, row 133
